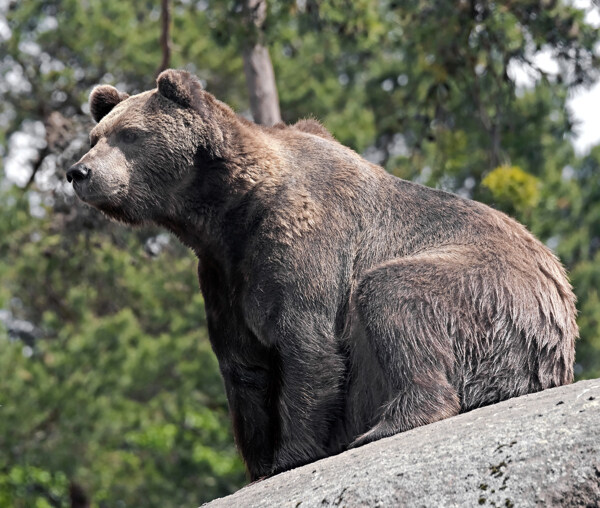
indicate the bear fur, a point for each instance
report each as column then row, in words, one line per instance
column 344, row 305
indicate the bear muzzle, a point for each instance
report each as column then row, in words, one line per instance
column 78, row 173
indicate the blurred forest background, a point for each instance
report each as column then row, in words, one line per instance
column 109, row 392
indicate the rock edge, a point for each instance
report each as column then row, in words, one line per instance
column 542, row 449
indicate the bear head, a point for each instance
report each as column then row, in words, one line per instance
column 148, row 149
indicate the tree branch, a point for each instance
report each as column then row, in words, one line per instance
column 36, row 166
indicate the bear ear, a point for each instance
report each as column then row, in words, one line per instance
column 180, row 87
column 103, row 99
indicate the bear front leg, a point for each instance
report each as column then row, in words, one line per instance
column 248, row 369
column 309, row 397
column 249, row 394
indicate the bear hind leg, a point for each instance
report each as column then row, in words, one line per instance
column 435, row 399
column 400, row 317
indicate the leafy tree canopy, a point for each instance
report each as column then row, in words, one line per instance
column 108, row 388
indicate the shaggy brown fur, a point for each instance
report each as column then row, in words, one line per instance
column 343, row 304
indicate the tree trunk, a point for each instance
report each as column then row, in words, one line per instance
column 78, row 496
column 165, row 36
column 260, row 78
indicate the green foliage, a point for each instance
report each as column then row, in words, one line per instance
column 17, row 484
column 512, row 188
column 585, row 278
column 110, row 385
column 123, row 395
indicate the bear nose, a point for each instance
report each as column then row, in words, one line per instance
column 77, row 172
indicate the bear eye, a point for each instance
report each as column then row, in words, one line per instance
column 128, row 136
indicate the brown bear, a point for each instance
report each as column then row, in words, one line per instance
column 343, row 304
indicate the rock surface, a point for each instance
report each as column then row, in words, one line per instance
column 542, row 449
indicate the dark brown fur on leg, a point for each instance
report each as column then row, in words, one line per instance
column 427, row 399
column 427, row 316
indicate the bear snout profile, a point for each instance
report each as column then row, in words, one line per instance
column 344, row 304
column 77, row 172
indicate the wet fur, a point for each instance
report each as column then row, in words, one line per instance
column 344, row 304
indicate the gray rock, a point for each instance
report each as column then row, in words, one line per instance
column 542, row 449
